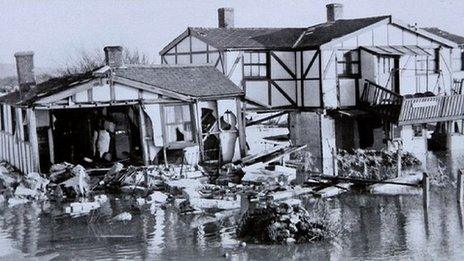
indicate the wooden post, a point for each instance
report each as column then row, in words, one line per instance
column 460, row 187
column 241, row 128
column 33, row 139
column 199, row 131
column 425, row 189
column 335, row 161
column 398, row 160
column 143, row 135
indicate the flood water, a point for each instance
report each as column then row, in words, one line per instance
column 373, row 228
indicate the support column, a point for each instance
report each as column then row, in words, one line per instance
column 33, row 139
column 143, row 135
column 241, row 128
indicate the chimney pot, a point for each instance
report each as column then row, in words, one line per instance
column 25, row 70
column 226, row 17
column 334, row 12
column 113, row 56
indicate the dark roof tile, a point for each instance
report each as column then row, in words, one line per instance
column 444, row 34
column 195, row 81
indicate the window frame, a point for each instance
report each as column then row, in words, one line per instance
column 248, row 66
column 348, row 64
column 183, row 122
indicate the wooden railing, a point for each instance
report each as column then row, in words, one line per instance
column 432, row 109
column 382, row 101
column 16, row 152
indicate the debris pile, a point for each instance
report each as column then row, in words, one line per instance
column 287, row 222
column 373, row 164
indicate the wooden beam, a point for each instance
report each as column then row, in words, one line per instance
column 241, row 128
column 318, row 52
column 33, row 140
column 79, row 87
column 266, row 118
column 283, row 92
column 283, row 65
column 237, row 60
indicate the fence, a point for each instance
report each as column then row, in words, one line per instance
column 16, row 152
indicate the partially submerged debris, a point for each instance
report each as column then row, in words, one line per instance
column 124, row 216
column 287, row 222
column 373, row 164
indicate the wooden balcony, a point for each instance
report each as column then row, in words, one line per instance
column 383, row 102
column 432, row 109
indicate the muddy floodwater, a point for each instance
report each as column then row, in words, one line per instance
column 374, row 227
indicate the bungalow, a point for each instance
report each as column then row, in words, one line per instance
column 147, row 114
column 346, row 83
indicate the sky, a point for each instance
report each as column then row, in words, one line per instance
column 59, row 30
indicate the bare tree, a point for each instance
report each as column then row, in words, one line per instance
column 89, row 61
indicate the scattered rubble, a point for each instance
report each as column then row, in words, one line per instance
column 124, row 216
column 373, row 164
column 287, row 222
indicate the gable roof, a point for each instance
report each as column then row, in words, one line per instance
column 193, row 80
column 275, row 38
column 199, row 81
column 444, row 34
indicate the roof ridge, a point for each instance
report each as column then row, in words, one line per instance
column 153, row 66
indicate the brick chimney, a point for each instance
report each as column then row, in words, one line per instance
column 25, row 69
column 113, row 56
column 334, row 12
column 226, row 17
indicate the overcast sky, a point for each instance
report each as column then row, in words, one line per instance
column 57, row 30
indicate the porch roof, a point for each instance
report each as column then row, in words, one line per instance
column 396, row 50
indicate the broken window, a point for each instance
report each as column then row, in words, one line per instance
column 178, row 123
column 255, row 64
column 417, row 128
column 348, row 63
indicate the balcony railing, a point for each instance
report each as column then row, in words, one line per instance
column 381, row 101
column 432, row 109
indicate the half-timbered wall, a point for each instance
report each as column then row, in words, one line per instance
column 191, row 50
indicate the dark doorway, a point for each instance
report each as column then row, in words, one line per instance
column 76, row 133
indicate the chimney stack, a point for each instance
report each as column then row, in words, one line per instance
column 334, row 12
column 113, row 56
column 25, row 69
column 226, row 17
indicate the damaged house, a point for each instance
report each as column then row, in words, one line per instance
column 345, row 83
column 142, row 114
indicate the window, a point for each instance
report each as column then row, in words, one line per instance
column 178, row 123
column 417, row 128
column 255, row 64
column 385, row 64
column 25, row 125
column 348, row 63
column 428, row 64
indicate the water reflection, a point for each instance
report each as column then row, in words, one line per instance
column 374, row 227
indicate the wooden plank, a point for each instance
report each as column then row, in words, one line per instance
column 237, row 60
column 32, row 123
column 143, row 135
column 241, row 128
